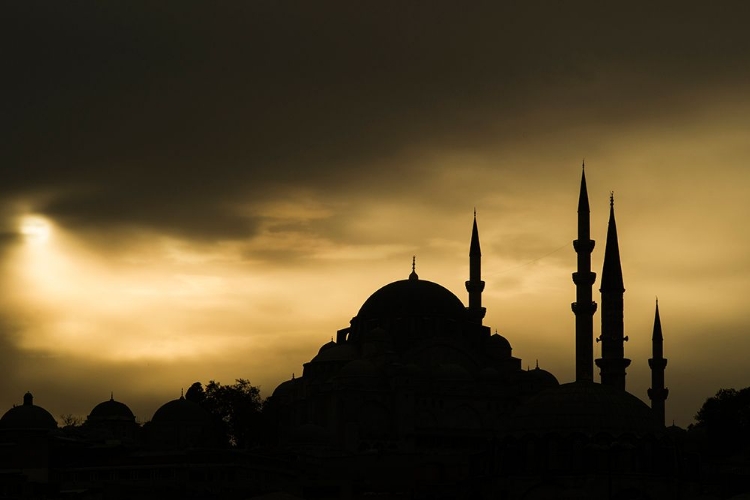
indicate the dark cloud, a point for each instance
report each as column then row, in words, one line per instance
column 166, row 115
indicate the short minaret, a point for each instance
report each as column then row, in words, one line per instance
column 613, row 361
column 657, row 393
column 584, row 307
column 475, row 285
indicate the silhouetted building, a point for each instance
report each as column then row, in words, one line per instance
column 415, row 370
column 417, row 374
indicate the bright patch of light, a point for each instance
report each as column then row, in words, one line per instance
column 35, row 229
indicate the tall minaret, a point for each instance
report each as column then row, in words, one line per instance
column 584, row 307
column 657, row 393
column 475, row 285
column 613, row 361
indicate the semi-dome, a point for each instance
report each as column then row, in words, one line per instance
column 28, row 416
column 584, row 407
column 181, row 411
column 111, row 410
column 412, row 297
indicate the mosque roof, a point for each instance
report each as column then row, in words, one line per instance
column 412, row 297
column 584, row 407
column 28, row 416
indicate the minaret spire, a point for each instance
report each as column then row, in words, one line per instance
column 657, row 393
column 475, row 285
column 413, row 275
column 613, row 361
column 584, row 307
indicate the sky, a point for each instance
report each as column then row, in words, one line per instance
column 195, row 191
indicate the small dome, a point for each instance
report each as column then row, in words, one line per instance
column 538, row 378
column 498, row 347
column 336, row 352
column 111, row 410
column 326, row 346
column 181, row 411
column 412, row 297
column 285, row 390
column 584, row 407
column 28, row 416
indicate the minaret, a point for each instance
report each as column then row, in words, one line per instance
column 613, row 361
column 584, row 307
column 475, row 285
column 657, row 393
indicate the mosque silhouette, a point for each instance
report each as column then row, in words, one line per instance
column 416, row 398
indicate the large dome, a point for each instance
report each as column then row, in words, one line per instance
column 584, row 407
column 28, row 416
column 412, row 297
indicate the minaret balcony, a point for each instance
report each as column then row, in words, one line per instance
column 657, row 364
column 474, row 286
column 584, row 246
column 583, row 308
column 658, row 393
column 584, row 278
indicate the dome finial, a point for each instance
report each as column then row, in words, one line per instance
column 413, row 275
column 28, row 399
column 111, row 395
column 182, row 393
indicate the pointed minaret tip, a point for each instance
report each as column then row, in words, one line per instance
column 583, row 196
column 413, row 275
column 474, row 246
column 657, row 335
column 612, row 269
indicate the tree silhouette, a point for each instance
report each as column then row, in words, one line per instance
column 237, row 406
column 70, row 420
column 725, row 419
